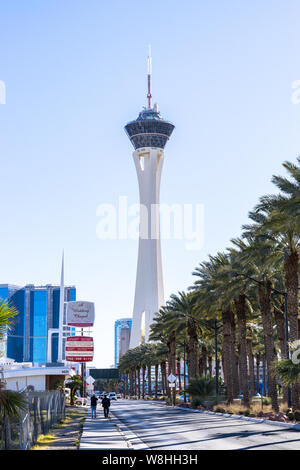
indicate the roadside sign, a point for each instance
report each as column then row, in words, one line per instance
column 171, row 385
column 172, row 378
column 80, row 313
column 90, row 380
column 79, row 348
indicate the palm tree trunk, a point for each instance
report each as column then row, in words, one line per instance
column 139, row 382
column 178, row 373
column 264, row 295
column 209, row 360
column 291, row 267
column 280, row 326
column 171, row 343
column 193, row 347
column 227, row 354
column 156, row 380
column 204, row 359
column 235, row 370
column 257, row 371
column 201, row 364
column 240, row 306
column 143, row 383
column 163, row 377
column 149, row 382
column 264, row 376
column 251, row 366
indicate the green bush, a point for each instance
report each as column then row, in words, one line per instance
column 196, row 401
column 219, row 409
column 267, row 401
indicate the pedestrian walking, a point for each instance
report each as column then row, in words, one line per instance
column 94, row 400
column 106, row 405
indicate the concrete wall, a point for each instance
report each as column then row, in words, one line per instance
column 19, row 383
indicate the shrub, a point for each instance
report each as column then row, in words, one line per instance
column 196, row 401
column 219, row 409
column 267, row 401
column 297, row 415
column 290, row 414
column 203, row 386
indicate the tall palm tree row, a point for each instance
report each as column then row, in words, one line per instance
column 243, row 291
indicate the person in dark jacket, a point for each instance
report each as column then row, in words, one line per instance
column 94, row 400
column 106, row 405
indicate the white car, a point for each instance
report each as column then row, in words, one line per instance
column 112, row 396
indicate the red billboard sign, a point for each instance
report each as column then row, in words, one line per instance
column 79, row 348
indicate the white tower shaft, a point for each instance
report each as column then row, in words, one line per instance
column 149, row 294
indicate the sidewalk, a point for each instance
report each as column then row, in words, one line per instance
column 101, row 433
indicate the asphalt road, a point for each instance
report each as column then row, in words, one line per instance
column 168, row 428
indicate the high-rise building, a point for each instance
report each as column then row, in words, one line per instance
column 38, row 311
column 122, row 337
column 149, row 134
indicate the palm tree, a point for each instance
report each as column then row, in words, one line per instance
column 202, row 388
column 74, row 383
column 185, row 312
column 257, row 255
column 11, row 403
column 162, row 329
column 214, row 297
column 288, row 369
column 277, row 218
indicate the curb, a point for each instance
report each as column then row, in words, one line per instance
column 296, row 427
column 132, row 440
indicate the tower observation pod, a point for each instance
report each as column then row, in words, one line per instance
column 149, row 134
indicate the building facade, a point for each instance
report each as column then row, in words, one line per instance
column 38, row 311
column 122, row 337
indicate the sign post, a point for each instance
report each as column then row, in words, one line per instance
column 172, row 380
column 80, row 348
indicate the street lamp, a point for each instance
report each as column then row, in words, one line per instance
column 286, row 318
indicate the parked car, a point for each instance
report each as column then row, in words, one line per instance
column 81, row 401
column 182, row 397
column 112, row 396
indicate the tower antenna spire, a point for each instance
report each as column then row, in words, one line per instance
column 149, row 64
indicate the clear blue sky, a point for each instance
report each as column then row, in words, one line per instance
column 75, row 74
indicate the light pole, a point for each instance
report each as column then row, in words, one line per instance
column 286, row 318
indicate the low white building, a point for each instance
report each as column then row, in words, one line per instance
column 18, row 376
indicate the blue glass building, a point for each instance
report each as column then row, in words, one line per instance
column 38, row 310
column 122, row 337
